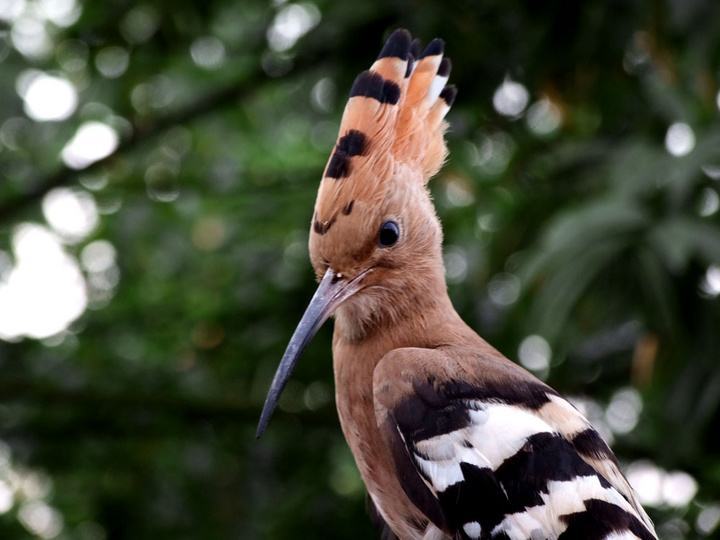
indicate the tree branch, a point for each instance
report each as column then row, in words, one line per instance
column 98, row 403
column 144, row 130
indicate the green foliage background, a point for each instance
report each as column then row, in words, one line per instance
column 138, row 422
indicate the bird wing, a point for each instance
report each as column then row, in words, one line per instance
column 485, row 450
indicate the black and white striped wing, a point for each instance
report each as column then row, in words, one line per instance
column 507, row 462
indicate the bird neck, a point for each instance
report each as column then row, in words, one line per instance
column 399, row 314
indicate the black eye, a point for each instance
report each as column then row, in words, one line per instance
column 389, row 233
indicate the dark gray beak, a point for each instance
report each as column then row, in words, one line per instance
column 331, row 292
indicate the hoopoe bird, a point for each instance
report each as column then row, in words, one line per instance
column 452, row 439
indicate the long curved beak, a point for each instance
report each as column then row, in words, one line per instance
column 332, row 291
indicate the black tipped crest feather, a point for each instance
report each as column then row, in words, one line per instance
column 416, row 47
column 339, row 167
column 435, row 47
column 397, row 45
column 448, row 94
column 372, row 85
column 444, row 68
column 410, row 63
column 353, row 143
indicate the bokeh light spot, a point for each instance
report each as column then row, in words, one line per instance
column 708, row 519
column 317, row 395
column 493, row 154
column 679, row 488
column 30, row 37
column 71, row 213
column 623, row 412
column 46, row 97
column 543, row 117
column 41, row 519
column 657, row 487
column 291, row 23
column 710, row 284
column 679, row 139
column 709, row 202
column 458, row 192
column 157, row 93
column 646, row 479
column 712, row 171
column 7, row 498
column 322, row 95
column 504, row 289
column 44, row 291
column 208, row 52
column 161, row 182
column 510, row 98
column 534, row 353
column 139, row 24
column 11, row 9
column 456, row 264
column 98, row 256
column 91, row 142
column 112, row 61
column 62, row 13
column 72, row 55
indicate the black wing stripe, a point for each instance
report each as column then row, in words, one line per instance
column 420, row 419
column 410, row 477
column 544, row 458
column 517, row 484
column 439, row 409
column 590, row 444
column 437, row 424
column 479, row 498
column 599, row 520
column 528, row 394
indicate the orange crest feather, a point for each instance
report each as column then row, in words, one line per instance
column 393, row 121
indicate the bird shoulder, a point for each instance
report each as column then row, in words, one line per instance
column 482, row 445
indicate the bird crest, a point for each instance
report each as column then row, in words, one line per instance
column 393, row 126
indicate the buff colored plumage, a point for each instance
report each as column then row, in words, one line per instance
column 452, row 439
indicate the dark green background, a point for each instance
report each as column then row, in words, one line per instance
column 141, row 421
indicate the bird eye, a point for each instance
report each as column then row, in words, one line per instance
column 389, row 234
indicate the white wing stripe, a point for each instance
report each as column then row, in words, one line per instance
column 442, row 474
column 496, row 432
column 561, row 414
column 562, row 498
column 624, row 535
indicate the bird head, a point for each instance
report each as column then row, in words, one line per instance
column 374, row 224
